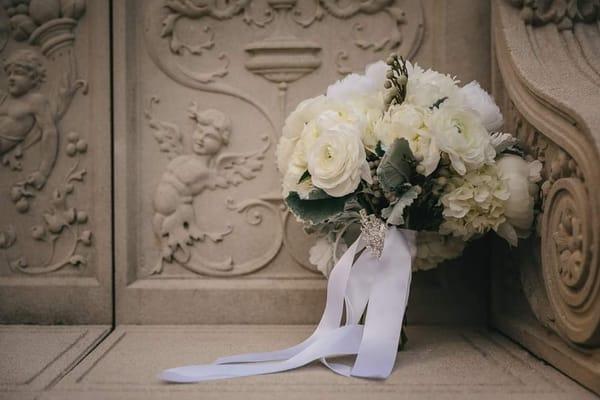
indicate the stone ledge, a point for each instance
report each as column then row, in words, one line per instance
column 32, row 358
column 440, row 362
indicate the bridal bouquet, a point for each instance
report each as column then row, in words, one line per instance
column 419, row 164
column 412, row 149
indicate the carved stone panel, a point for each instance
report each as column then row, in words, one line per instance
column 55, row 167
column 201, row 94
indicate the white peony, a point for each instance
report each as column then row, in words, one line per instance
column 521, row 178
column 478, row 100
column 425, row 88
column 433, row 248
column 335, row 155
column 408, row 121
column 356, row 85
column 461, row 135
column 321, row 254
column 474, row 203
column 363, row 97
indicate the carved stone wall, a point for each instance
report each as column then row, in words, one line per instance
column 55, row 220
column 201, row 93
column 547, row 294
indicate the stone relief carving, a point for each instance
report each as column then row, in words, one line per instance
column 563, row 13
column 31, row 117
column 187, row 176
column 563, row 292
column 282, row 57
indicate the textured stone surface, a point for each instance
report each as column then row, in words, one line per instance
column 438, row 363
column 55, row 172
column 546, row 79
column 234, row 251
column 32, row 358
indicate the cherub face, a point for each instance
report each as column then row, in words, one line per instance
column 206, row 140
column 20, row 80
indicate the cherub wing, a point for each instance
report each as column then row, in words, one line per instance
column 234, row 168
column 167, row 134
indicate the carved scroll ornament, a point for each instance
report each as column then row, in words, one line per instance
column 563, row 13
column 564, row 287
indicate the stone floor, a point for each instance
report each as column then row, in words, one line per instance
column 89, row 362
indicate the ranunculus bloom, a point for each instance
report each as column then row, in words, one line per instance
column 521, row 178
column 335, row 155
column 408, row 122
column 461, row 135
column 478, row 100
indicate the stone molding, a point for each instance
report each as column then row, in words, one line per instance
column 547, row 80
column 563, row 13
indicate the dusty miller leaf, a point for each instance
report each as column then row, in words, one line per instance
column 395, row 216
column 396, row 167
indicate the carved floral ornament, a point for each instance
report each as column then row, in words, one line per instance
column 570, row 270
column 284, row 56
column 48, row 27
column 563, row 13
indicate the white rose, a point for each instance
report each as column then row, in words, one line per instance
column 425, row 88
column 521, row 178
column 408, row 121
column 336, row 158
column 463, row 137
column 433, row 248
column 478, row 100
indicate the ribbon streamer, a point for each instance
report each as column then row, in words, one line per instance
column 379, row 286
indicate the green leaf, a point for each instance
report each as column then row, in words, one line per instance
column 316, row 211
column 304, row 176
column 395, row 216
column 396, row 167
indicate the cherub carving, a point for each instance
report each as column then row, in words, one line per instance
column 188, row 175
column 26, row 116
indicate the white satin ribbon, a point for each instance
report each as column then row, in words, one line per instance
column 382, row 284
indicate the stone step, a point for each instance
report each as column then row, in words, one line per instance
column 438, row 363
column 33, row 358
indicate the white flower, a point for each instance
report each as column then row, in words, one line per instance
column 478, row 100
column 321, row 254
column 306, row 111
column 460, row 134
column 474, row 203
column 408, row 121
column 363, row 97
column 426, row 88
column 356, row 85
column 296, row 166
column 433, row 248
column 301, row 130
column 521, row 178
column 335, row 155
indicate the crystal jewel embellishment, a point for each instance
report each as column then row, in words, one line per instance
column 373, row 230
